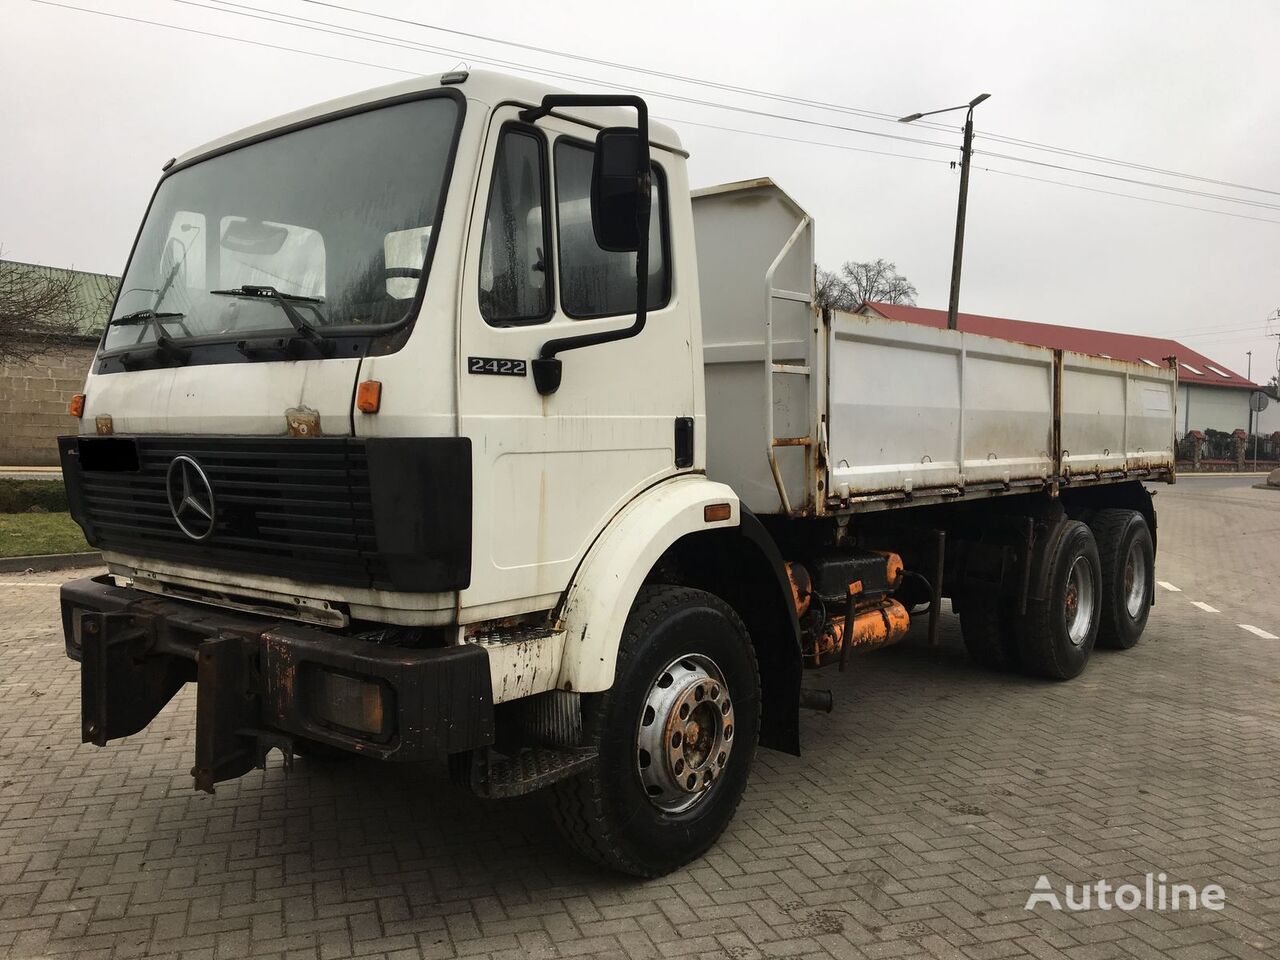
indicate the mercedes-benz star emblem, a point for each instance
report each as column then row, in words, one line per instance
column 190, row 498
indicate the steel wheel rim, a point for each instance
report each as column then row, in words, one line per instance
column 1135, row 580
column 685, row 733
column 1079, row 601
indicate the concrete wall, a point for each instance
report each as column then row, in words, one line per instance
column 1212, row 408
column 33, row 404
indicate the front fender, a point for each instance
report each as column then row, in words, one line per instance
column 605, row 585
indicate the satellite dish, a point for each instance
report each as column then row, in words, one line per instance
column 1258, row 402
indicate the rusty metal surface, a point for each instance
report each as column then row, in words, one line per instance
column 303, row 421
column 876, row 624
column 138, row 650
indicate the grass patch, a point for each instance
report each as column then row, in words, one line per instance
column 36, row 534
column 19, row 496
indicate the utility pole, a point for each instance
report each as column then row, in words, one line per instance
column 966, row 153
column 1249, row 376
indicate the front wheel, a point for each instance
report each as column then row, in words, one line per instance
column 676, row 736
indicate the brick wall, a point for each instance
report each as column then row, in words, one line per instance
column 33, row 404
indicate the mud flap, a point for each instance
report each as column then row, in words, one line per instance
column 229, row 738
column 123, row 685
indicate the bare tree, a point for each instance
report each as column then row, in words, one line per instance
column 43, row 308
column 856, row 283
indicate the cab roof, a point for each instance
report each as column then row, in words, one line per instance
column 484, row 87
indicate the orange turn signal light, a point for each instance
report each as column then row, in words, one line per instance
column 369, row 396
column 76, row 406
column 715, row 512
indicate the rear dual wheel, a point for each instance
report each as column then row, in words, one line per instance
column 1127, row 554
column 1060, row 627
column 1056, row 634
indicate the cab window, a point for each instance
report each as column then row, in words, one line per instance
column 515, row 277
column 595, row 282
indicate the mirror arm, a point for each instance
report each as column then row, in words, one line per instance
column 547, row 367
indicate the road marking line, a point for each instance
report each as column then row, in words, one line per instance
column 1169, row 586
column 1204, row 606
column 1257, row 632
column 27, row 583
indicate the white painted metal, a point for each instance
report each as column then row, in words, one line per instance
column 1115, row 415
column 896, row 408
column 550, row 471
column 522, row 666
column 913, row 407
column 605, row 586
column 740, row 229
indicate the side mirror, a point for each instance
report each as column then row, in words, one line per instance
column 619, row 185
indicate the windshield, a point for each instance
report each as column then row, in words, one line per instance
column 336, row 218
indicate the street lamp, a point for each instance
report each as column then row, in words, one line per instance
column 953, row 305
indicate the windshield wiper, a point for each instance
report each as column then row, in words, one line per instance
column 145, row 316
column 286, row 301
column 164, row 345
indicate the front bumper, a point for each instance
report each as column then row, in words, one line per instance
column 261, row 683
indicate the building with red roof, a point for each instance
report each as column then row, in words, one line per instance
column 1211, row 396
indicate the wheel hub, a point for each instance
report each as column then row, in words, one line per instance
column 685, row 733
column 1078, row 601
column 1135, row 580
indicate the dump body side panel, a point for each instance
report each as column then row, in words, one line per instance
column 1116, row 416
column 912, row 407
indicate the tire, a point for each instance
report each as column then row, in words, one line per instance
column 1127, row 556
column 987, row 629
column 1060, row 627
column 642, row 820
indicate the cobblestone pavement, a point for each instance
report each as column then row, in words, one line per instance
column 926, row 807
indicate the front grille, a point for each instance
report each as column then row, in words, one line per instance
column 296, row 508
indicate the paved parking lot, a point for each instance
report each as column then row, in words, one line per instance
column 918, row 822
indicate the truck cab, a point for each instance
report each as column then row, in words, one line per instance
column 430, row 241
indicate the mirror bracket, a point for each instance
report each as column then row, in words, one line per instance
column 547, row 367
column 546, row 374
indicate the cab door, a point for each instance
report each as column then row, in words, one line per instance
column 550, row 471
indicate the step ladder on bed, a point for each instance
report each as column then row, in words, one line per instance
column 773, row 369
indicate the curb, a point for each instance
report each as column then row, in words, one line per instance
column 1191, row 475
column 51, row 561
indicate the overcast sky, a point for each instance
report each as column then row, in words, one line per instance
column 92, row 106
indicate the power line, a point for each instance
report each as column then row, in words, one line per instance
column 1128, row 196
column 257, row 13
column 1097, row 158
column 323, row 26
column 773, row 95
column 223, row 36
column 1130, row 180
column 312, row 53
column 814, row 143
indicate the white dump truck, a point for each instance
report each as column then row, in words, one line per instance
column 443, row 420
